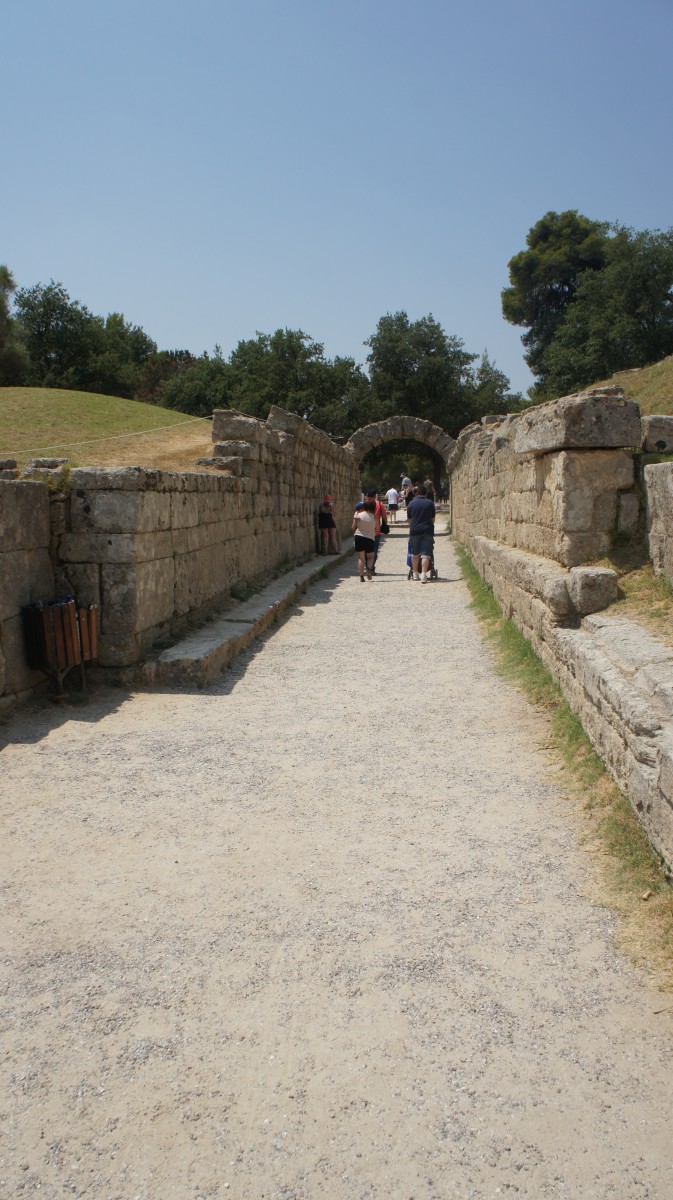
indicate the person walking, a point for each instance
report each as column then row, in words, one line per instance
column 364, row 528
column 421, row 518
column 381, row 515
column 393, row 498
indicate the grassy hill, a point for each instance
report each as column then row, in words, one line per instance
column 651, row 387
column 94, row 430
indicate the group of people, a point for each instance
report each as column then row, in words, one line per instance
column 370, row 519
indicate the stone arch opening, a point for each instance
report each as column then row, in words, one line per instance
column 401, row 428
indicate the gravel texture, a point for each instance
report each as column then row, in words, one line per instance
column 319, row 931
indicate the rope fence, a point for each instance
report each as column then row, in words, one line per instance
column 115, row 437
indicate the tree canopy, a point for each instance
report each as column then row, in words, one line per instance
column 69, row 347
column 596, row 298
column 416, row 368
column 14, row 361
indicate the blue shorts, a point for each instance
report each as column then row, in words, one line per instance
column 421, row 543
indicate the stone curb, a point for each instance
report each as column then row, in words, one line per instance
column 197, row 660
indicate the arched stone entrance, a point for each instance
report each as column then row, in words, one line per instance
column 395, row 428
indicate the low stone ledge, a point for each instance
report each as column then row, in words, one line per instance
column 568, row 594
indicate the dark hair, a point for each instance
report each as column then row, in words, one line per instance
column 422, row 491
column 370, row 506
column 372, row 492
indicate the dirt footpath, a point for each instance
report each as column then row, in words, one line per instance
column 318, row 932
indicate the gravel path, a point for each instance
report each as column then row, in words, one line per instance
column 318, row 932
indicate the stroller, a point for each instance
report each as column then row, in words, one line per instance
column 433, row 573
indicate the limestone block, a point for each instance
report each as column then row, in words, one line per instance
column 659, row 490
column 128, row 479
column 655, row 680
column 25, row 577
column 573, row 549
column 184, row 509
column 232, row 464
column 135, row 597
column 8, row 464
column 24, row 515
column 115, row 547
column 285, row 422
column 234, row 426
column 657, row 434
column 579, row 482
column 237, row 449
column 592, row 588
column 601, row 418
column 119, row 511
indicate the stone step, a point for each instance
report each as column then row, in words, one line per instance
column 198, row 659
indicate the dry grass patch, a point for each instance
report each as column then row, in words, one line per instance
column 629, row 877
column 651, row 387
column 95, row 430
column 644, row 597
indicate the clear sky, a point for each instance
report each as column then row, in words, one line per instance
column 213, row 168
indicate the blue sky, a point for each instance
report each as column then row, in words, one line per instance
column 211, row 169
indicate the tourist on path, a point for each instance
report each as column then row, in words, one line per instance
column 364, row 528
column 393, row 498
column 380, row 513
column 421, row 518
column 327, row 525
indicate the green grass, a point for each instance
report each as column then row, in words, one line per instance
column 651, row 387
column 38, row 422
column 632, row 875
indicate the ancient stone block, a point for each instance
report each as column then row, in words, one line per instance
column 26, row 576
column 657, row 434
column 234, row 426
column 659, row 489
column 592, row 588
column 248, row 450
column 135, row 597
column 24, row 515
column 601, row 418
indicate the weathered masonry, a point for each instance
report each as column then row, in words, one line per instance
column 536, row 497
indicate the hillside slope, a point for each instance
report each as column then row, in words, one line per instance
column 94, row 430
column 651, row 387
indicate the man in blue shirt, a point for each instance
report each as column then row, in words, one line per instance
column 421, row 518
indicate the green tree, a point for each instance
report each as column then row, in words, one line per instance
column 492, row 390
column 158, row 369
column 544, row 278
column 416, row 368
column 69, row 347
column 58, row 333
column 621, row 317
column 201, row 387
column 14, row 361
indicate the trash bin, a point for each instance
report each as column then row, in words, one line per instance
column 58, row 636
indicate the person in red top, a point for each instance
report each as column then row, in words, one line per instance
column 381, row 515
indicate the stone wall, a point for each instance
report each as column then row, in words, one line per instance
column 556, row 481
column 153, row 548
column 26, row 575
column 534, row 496
column 659, row 491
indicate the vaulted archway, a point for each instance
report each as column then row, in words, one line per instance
column 399, row 428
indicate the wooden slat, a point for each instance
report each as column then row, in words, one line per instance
column 84, row 634
column 71, row 617
column 56, row 613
